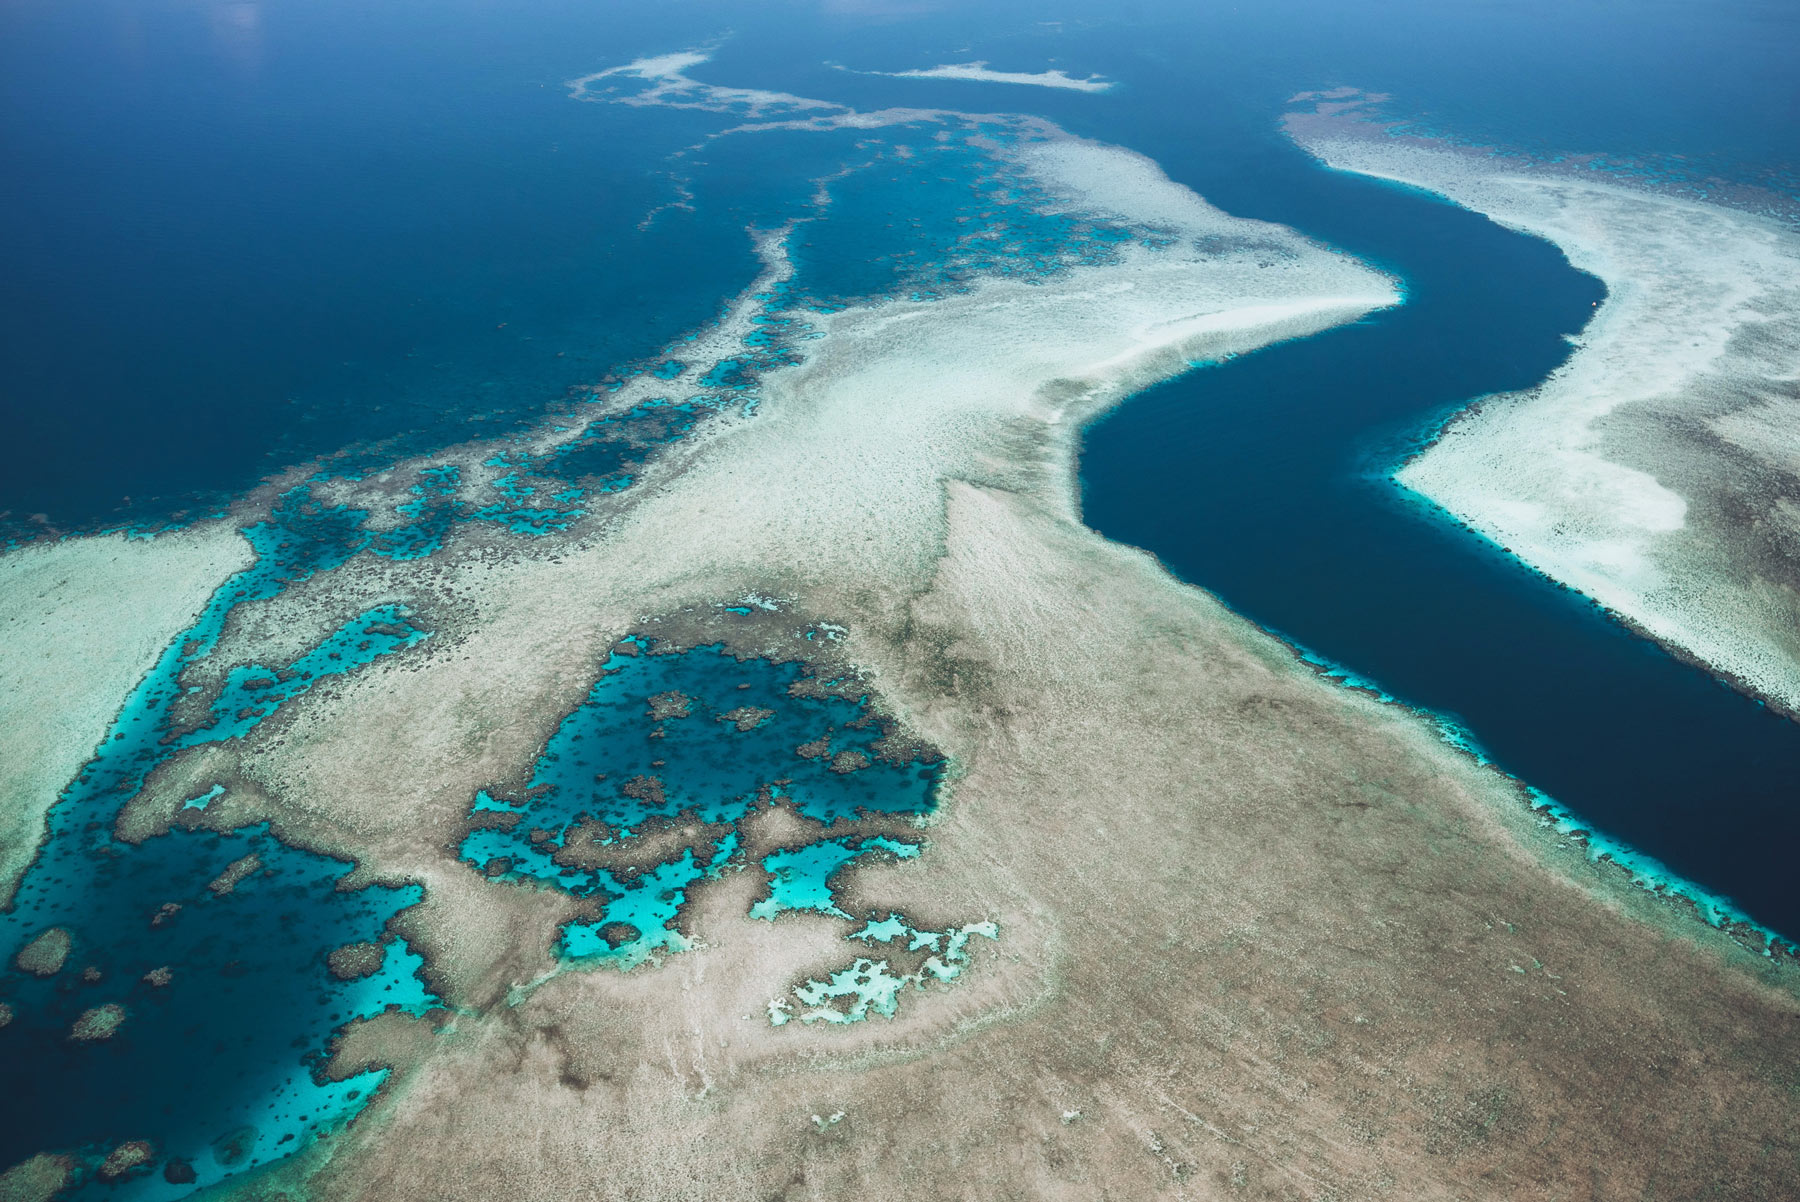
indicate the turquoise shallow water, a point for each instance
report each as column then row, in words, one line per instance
column 212, row 946
column 697, row 739
column 234, row 246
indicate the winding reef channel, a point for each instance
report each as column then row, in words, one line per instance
column 1268, row 481
column 762, row 750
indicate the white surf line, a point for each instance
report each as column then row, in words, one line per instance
column 662, row 81
column 1657, row 470
column 979, row 72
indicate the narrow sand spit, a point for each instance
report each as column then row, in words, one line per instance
column 1658, row 471
column 980, row 72
column 81, row 622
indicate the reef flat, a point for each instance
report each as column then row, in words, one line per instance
column 980, row 72
column 1658, row 471
column 799, row 800
column 81, row 621
column 1251, row 928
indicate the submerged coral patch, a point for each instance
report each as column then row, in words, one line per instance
column 209, row 1021
column 800, row 877
column 971, row 214
column 873, row 986
column 652, row 787
column 204, row 1003
column 699, row 738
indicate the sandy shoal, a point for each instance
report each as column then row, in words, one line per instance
column 81, row 622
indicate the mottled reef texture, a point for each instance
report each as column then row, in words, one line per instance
column 1259, row 936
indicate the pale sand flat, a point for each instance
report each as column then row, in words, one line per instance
column 81, row 622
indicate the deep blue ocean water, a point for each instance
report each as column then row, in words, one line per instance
column 241, row 235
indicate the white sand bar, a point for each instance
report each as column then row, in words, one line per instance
column 81, row 622
column 979, row 72
column 1658, row 471
column 853, row 448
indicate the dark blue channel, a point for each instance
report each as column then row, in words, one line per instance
column 1265, row 481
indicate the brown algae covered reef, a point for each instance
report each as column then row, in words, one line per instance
column 1129, row 902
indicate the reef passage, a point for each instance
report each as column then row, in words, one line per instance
column 760, row 748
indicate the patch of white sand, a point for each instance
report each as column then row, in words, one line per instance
column 979, row 72
column 81, row 622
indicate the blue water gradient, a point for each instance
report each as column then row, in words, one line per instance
column 1294, row 446
column 242, row 236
